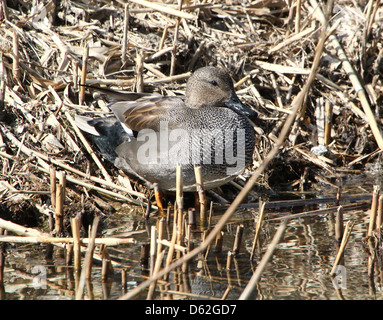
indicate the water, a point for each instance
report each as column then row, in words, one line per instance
column 299, row 268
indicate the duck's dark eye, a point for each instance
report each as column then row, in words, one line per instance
column 214, row 83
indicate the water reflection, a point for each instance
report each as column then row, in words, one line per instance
column 299, row 268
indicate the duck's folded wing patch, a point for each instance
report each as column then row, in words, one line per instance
column 147, row 112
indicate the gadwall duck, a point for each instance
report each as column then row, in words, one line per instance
column 148, row 137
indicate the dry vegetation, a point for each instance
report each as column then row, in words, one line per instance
column 266, row 45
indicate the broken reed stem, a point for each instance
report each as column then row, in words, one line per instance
column 153, row 248
column 339, row 227
column 258, row 228
column 87, row 267
column 76, row 225
column 201, row 196
column 346, row 236
column 164, row 9
column 125, row 37
column 238, row 239
column 228, row 260
column 169, row 257
column 191, row 218
column 379, row 216
column 2, row 256
column 251, row 286
column 175, row 246
column 327, row 123
column 161, row 227
column 156, row 269
column 218, row 242
column 139, row 73
column 107, row 267
column 374, row 207
column 52, row 174
column 59, row 210
column 2, row 87
column 84, row 71
column 144, row 259
column 179, row 201
column 16, row 65
column 339, row 231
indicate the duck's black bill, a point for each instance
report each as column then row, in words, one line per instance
column 236, row 105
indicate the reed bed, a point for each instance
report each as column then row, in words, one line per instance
column 311, row 71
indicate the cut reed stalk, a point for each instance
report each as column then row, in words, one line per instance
column 144, row 259
column 169, row 257
column 2, row 257
column 59, row 210
column 201, row 196
column 258, row 228
column 238, row 239
column 179, row 201
column 328, row 123
column 157, row 268
column 218, row 242
column 191, row 218
column 84, row 72
column 161, row 226
column 76, row 225
column 379, row 216
column 346, row 236
column 123, row 281
column 228, row 260
column 107, row 267
column 87, row 267
column 125, row 37
column 139, row 73
column 339, row 228
column 16, row 58
column 153, row 248
column 2, row 88
column 52, row 173
column 373, row 211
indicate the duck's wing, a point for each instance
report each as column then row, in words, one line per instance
column 147, row 112
column 119, row 95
